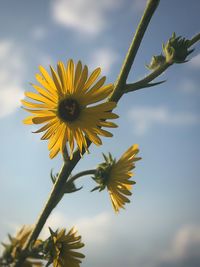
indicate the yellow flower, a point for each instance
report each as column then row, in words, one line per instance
column 63, row 249
column 115, row 176
column 19, row 241
column 66, row 107
column 17, row 244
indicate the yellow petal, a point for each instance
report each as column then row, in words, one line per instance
column 33, row 105
column 40, row 98
column 93, row 137
column 54, row 152
column 45, row 93
column 62, row 76
column 28, row 120
column 57, row 137
column 38, row 120
column 70, row 76
column 82, row 80
column 98, row 85
column 97, row 95
column 77, row 74
column 48, row 86
column 56, row 80
column 94, row 75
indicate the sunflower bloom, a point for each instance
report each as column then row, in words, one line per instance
column 62, row 250
column 65, row 105
column 115, row 176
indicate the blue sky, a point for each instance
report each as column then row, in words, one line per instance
column 161, row 226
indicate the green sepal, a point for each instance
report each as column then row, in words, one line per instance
column 176, row 49
column 52, row 232
column 102, row 173
column 53, row 177
column 71, row 188
column 156, row 62
column 95, row 188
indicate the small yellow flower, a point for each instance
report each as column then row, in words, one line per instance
column 66, row 106
column 115, row 176
column 63, row 253
column 17, row 244
column 19, row 241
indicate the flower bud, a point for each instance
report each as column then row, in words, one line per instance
column 176, row 49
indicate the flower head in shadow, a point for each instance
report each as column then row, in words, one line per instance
column 115, row 176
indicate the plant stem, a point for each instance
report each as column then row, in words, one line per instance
column 153, row 75
column 69, row 165
column 80, row 174
column 141, row 84
column 130, row 57
column 194, row 39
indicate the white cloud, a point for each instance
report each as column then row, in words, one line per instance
column 9, row 100
column 90, row 228
column 87, row 16
column 11, row 71
column 104, row 58
column 184, row 250
column 195, row 62
column 146, row 117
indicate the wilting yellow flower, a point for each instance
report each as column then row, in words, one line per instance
column 63, row 254
column 115, row 176
column 17, row 244
column 19, row 241
column 66, row 107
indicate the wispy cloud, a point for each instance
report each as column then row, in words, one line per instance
column 184, row 250
column 104, row 58
column 146, row 117
column 11, row 71
column 84, row 16
column 88, row 227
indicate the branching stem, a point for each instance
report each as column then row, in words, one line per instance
column 69, row 165
column 156, row 73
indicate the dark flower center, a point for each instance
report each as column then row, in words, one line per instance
column 69, row 110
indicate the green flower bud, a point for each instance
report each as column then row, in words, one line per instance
column 176, row 49
column 156, row 62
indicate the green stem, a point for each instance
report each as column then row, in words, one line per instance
column 142, row 83
column 69, row 165
column 71, row 180
column 80, row 174
column 50, row 204
column 194, row 39
column 130, row 57
column 153, row 75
